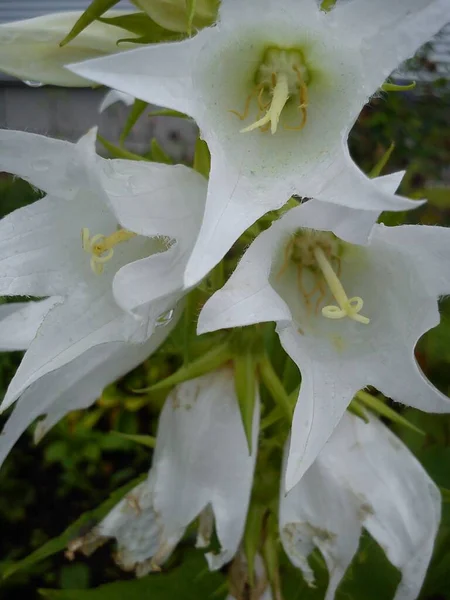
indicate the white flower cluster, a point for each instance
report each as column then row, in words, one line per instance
column 115, row 245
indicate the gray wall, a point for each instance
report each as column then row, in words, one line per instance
column 69, row 113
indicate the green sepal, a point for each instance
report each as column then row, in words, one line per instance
column 378, row 406
column 212, row 360
column 191, row 6
column 394, row 87
column 202, row 158
column 142, row 26
column 275, row 387
column 117, row 152
column 327, row 5
column 136, row 111
column 378, row 168
column 75, row 530
column 95, row 10
column 145, row 440
column 356, row 409
column 158, row 154
column 245, row 386
column 252, row 538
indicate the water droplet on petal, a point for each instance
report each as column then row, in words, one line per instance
column 33, row 84
column 41, row 164
column 165, row 318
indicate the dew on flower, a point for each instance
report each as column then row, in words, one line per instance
column 316, row 253
column 101, row 247
column 281, row 78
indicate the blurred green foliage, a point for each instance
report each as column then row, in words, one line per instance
column 80, row 462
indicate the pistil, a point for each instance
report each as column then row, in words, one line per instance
column 347, row 307
column 101, row 247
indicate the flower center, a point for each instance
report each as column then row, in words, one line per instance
column 101, row 247
column 315, row 252
column 281, row 76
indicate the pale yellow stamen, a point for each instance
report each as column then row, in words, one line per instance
column 280, row 96
column 101, row 247
column 347, row 307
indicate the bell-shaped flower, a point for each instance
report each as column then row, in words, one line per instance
column 30, row 49
column 275, row 87
column 114, row 285
column 201, row 468
column 74, row 386
column 349, row 315
column 363, row 478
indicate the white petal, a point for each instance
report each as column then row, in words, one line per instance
column 247, row 297
column 40, row 248
column 329, row 382
column 20, row 321
column 401, row 504
column 320, row 512
column 153, row 284
column 114, row 96
column 233, row 204
column 346, row 185
column 155, row 199
column 390, row 31
column 49, row 164
column 143, row 543
column 202, row 458
column 30, row 49
column 425, row 246
column 76, row 385
column 406, row 272
column 159, row 73
column 69, row 330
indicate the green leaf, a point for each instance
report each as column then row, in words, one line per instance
column 137, row 109
column 158, row 154
column 393, row 87
column 436, row 196
column 117, row 152
column 168, row 112
column 212, row 360
column 95, row 10
column 275, row 387
column 378, row 406
column 202, row 158
column 378, row 168
column 145, row 440
column 245, row 386
column 87, row 520
column 191, row 580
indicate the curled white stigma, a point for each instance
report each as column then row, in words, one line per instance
column 347, row 307
column 101, row 247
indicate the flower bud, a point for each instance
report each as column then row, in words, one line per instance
column 173, row 14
